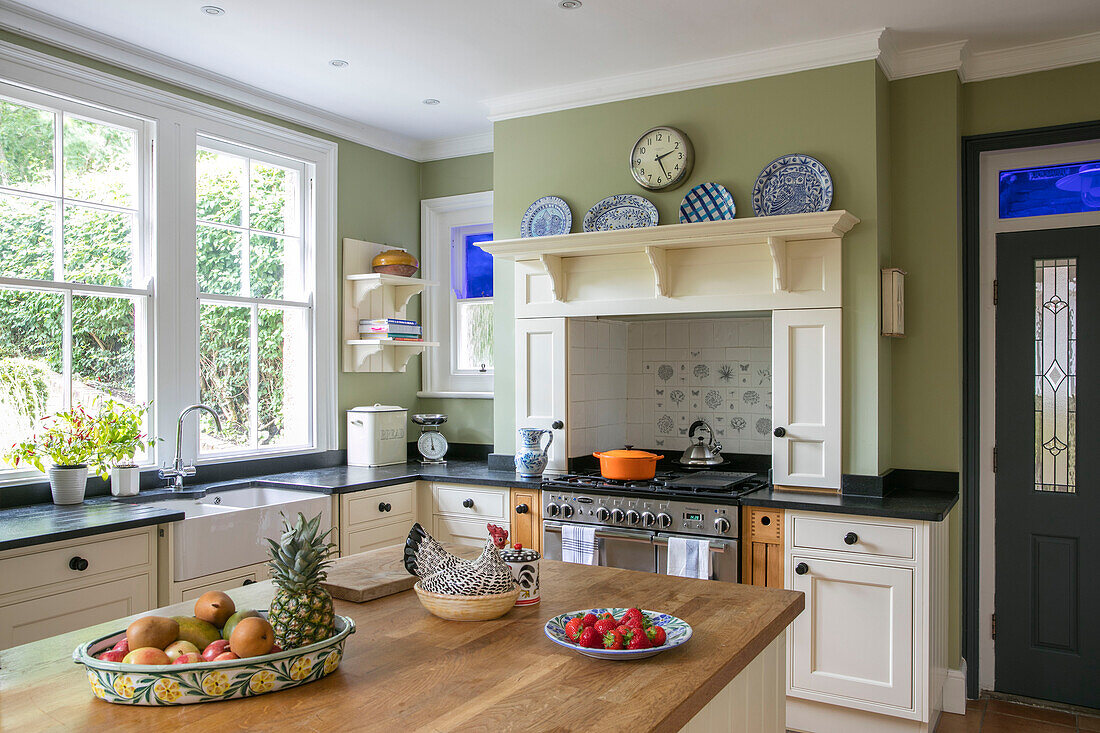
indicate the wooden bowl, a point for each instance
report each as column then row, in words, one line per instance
column 402, row 270
column 467, row 608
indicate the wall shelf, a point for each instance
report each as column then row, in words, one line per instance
column 383, row 355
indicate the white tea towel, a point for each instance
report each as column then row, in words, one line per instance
column 689, row 558
column 578, row 544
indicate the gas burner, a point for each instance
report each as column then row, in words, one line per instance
column 721, row 484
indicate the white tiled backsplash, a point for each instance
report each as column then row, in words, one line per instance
column 645, row 382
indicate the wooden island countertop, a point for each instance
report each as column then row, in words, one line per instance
column 406, row 670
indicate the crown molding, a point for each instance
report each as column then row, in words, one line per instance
column 456, row 147
column 899, row 64
column 1030, row 58
column 738, row 67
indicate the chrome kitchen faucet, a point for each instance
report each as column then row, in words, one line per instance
column 178, row 471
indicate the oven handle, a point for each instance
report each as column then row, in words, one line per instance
column 606, row 532
column 715, row 545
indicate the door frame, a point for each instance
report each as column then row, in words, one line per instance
column 978, row 398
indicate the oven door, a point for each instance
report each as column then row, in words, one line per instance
column 724, row 561
column 617, row 548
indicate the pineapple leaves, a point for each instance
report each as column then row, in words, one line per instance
column 299, row 558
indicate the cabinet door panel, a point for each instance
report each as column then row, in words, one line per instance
column 22, row 623
column 363, row 508
column 526, row 527
column 375, row 537
column 806, row 358
column 462, row 532
column 855, row 638
column 540, row 381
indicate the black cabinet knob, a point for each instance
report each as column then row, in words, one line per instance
column 248, row 581
column 384, row 507
column 851, row 538
column 557, row 425
column 779, row 432
column 468, row 503
column 78, row 563
column 522, row 509
column 802, row 568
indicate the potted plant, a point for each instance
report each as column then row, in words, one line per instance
column 119, row 436
column 67, row 440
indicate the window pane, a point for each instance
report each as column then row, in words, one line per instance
column 100, row 163
column 283, row 389
column 1052, row 189
column 31, row 382
column 273, row 200
column 276, row 267
column 219, row 252
column 26, row 237
column 220, row 186
column 475, row 335
column 1056, row 375
column 471, row 266
column 103, row 349
column 224, row 367
column 26, row 148
column 98, row 246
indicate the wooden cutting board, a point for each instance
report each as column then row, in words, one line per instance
column 376, row 573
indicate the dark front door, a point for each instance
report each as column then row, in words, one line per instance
column 1048, row 473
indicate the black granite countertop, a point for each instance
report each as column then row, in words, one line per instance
column 40, row 523
column 930, row 506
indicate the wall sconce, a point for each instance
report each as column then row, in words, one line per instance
column 893, row 302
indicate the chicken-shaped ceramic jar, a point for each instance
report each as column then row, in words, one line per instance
column 444, row 573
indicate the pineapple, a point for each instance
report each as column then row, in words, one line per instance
column 301, row 612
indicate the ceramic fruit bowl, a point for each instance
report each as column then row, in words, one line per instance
column 183, row 684
column 677, row 632
column 395, row 262
column 467, row 608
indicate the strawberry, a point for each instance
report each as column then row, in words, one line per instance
column 656, row 635
column 607, row 615
column 605, row 624
column 591, row 639
column 638, row 641
column 632, row 613
column 613, row 640
column 635, row 623
column 573, row 629
column 588, row 620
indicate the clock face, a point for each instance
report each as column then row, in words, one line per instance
column 662, row 158
column 432, row 445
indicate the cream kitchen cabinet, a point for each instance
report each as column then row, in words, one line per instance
column 62, row 586
column 376, row 518
column 191, row 589
column 541, row 366
column 459, row 514
column 869, row 652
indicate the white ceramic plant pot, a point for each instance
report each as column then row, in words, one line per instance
column 68, row 483
column 124, row 480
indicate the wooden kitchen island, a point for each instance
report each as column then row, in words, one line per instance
column 406, row 670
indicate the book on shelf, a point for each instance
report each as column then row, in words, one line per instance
column 387, row 321
column 390, row 335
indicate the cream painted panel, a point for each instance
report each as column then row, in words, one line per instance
column 37, row 569
column 607, row 277
column 729, row 272
column 462, row 532
column 888, row 540
column 376, row 536
column 541, row 398
column 363, row 507
column 22, row 623
column 192, row 589
column 486, row 503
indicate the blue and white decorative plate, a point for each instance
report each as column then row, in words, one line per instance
column 792, row 184
column 677, row 632
column 623, row 211
column 547, row 217
column 707, row 202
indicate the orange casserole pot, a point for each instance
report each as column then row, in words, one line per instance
column 625, row 464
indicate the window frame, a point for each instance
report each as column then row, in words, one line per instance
column 438, row 217
column 177, row 124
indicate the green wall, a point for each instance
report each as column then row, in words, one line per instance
column 737, row 129
column 1042, row 99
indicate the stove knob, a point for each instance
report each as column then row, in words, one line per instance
column 617, row 516
column 566, row 511
column 553, row 509
column 648, row 519
column 722, row 525
column 602, row 514
column 632, row 517
column 664, row 520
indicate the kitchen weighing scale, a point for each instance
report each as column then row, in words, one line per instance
column 431, row 443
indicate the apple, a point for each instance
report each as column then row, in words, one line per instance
column 146, row 655
column 214, row 649
column 187, row 658
column 123, row 646
column 177, row 648
column 112, row 655
column 224, row 656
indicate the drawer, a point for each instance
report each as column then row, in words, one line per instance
column 225, row 581
column 871, row 538
column 485, row 503
column 36, row 569
column 374, row 507
column 463, row 532
column 371, row 538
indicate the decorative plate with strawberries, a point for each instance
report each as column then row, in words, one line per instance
column 618, row 633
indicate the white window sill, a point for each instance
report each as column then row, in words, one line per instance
column 457, row 395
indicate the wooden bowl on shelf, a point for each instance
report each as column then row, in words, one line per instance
column 467, row 608
column 395, row 262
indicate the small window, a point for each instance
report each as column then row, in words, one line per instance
column 472, row 286
column 1052, row 189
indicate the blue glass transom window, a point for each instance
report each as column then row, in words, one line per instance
column 471, row 266
column 1068, row 188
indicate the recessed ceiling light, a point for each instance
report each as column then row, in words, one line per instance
column 212, row 10
column 338, row 63
column 570, row 4
column 431, row 102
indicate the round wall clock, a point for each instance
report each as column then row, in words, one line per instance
column 662, row 158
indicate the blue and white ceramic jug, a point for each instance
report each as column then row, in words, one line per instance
column 531, row 454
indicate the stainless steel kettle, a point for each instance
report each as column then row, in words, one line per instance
column 703, row 452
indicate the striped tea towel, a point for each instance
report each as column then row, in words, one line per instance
column 578, row 544
column 689, row 557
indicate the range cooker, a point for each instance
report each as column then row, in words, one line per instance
column 635, row 519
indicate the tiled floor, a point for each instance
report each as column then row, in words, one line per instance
column 998, row 716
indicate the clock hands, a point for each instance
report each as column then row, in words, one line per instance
column 662, row 164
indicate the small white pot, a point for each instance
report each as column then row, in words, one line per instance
column 124, row 480
column 68, row 483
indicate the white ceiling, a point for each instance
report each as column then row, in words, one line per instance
column 482, row 56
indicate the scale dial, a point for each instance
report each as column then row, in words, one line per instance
column 432, row 445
